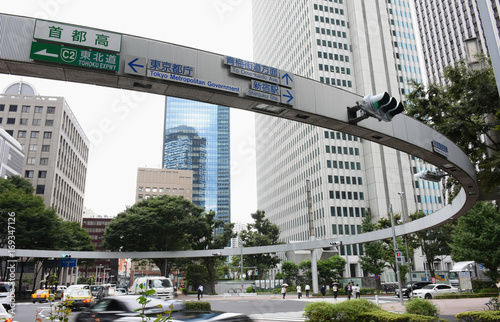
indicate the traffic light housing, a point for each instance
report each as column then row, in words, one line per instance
column 217, row 254
column 382, row 106
column 400, row 258
column 336, row 243
column 66, row 256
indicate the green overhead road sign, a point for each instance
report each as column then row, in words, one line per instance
column 74, row 56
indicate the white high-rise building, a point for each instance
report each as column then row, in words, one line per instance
column 366, row 47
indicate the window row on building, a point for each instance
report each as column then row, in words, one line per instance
column 345, row 180
column 346, row 229
column 27, row 109
column 343, row 165
column 341, row 150
column 428, row 199
column 346, row 195
column 347, row 211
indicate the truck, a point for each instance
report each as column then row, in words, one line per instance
column 163, row 286
column 475, row 270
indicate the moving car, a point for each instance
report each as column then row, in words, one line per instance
column 42, row 295
column 6, row 294
column 99, row 291
column 80, row 298
column 407, row 290
column 431, row 290
column 112, row 308
column 4, row 315
column 125, row 308
column 73, row 287
column 120, row 291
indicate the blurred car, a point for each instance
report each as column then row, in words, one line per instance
column 4, row 315
column 113, row 308
column 42, row 295
column 79, row 298
column 408, row 288
column 6, row 294
column 120, row 291
column 99, row 291
column 431, row 290
column 124, row 308
column 73, row 287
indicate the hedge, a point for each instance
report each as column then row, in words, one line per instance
column 478, row 316
column 383, row 316
column 463, row 295
column 197, row 306
column 343, row 311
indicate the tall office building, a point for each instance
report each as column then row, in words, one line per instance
column 447, row 29
column 366, row 47
column 197, row 138
column 55, row 146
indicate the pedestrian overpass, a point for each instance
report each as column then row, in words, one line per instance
column 64, row 52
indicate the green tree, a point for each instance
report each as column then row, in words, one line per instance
column 462, row 111
column 373, row 261
column 31, row 225
column 290, row 270
column 207, row 232
column 154, row 224
column 477, row 238
column 434, row 242
column 331, row 269
column 261, row 233
column 388, row 246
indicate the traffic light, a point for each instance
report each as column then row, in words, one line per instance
column 66, row 256
column 217, row 254
column 400, row 259
column 336, row 243
column 382, row 106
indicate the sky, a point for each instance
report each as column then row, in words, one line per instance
column 125, row 127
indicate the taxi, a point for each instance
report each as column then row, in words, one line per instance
column 42, row 295
column 79, row 298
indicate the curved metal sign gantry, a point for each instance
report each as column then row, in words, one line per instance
column 64, row 52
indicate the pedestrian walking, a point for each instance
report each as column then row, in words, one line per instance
column 358, row 292
column 348, row 290
column 200, row 292
column 308, row 288
column 323, row 290
column 299, row 291
column 335, row 290
column 283, row 291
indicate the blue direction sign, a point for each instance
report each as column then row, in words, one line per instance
column 287, row 96
column 135, row 65
column 287, row 79
column 68, row 262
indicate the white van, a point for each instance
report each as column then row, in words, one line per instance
column 163, row 286
column 6, row 294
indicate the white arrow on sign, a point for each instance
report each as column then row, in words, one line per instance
column 44, row 52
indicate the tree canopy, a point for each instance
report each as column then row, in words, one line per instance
column 477, row 238
column 373, row 261
column 261, row 233
column 466, row 110
column 25, row 220
column 154, row 224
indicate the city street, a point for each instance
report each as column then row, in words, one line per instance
column 273, row 308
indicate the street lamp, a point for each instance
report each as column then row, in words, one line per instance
column 105, row 275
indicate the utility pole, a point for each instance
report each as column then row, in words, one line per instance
column 396, row 258
column 312, row 236
column 404, row 214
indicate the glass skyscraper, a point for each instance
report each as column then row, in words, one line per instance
column 197, row 138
